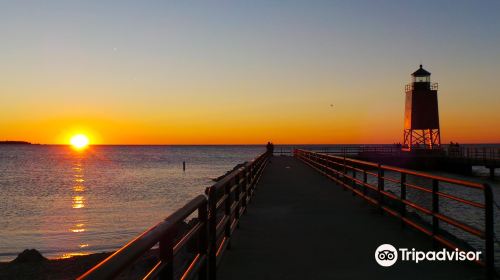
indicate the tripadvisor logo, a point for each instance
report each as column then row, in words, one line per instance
column 387, row 255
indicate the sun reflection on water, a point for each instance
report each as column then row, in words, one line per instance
column 79, row 188
column 78, row 228
column 74, row 254
column 78, row 202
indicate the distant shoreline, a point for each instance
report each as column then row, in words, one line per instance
column 14, row 143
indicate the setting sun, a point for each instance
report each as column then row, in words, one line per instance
column 79, row 141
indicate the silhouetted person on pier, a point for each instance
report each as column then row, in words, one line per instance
column 453, row 149
column 270, row 148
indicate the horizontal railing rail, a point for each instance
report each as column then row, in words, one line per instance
column 432, row 86
column 354, row 175
column 211, row 231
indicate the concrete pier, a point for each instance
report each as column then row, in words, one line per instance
column 300, row 225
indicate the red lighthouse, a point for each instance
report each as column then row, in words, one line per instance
column 421, row 130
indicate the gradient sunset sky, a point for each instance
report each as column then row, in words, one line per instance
column 235, row 72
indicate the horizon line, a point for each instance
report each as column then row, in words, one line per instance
column 240, row 144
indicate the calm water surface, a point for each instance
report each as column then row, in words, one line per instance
column 63, row 202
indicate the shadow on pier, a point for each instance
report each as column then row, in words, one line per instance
column 302, row 226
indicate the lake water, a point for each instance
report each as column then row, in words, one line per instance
column 64, row 202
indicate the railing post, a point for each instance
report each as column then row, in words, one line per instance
column 380, row 186
column 212, row 230
column 250, row 181
column 403, row 197
column 353, row 180
column 435, row 210
column 227, row 212
column 203, row 235
column 245, row 189
column 365, row 181
column 167, row 256
column 325, row 163
column 344, row 171
column 489, row 232
column 331, row 166
column 237, row 200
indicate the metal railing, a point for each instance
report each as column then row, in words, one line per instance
column 212, row 230
column 283, row 151
column 358, row 150
column 342, row 150
column 484, row 153
column 410, row 87
column 227, row 201
column 354, row 174
column 487, row 153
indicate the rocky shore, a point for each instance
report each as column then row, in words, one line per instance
column 30, row 264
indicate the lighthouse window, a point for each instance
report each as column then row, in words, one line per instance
column 424, row 79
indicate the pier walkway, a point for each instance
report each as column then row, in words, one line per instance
column 301, row 225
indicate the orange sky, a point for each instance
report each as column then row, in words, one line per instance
column 285, row 121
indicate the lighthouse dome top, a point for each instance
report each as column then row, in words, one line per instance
column 421, row 72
